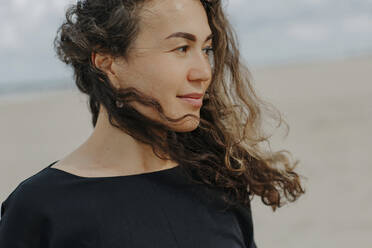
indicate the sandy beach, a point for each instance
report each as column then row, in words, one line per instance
column 328, row 106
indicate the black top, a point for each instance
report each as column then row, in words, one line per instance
column 160, row 209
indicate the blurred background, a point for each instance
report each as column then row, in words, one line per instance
column 312, row 59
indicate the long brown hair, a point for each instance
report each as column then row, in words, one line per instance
column 225, row 151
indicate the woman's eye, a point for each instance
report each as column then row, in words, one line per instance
column 183, row 47
column 208, row 49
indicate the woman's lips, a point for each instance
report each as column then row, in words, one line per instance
column 195, row 102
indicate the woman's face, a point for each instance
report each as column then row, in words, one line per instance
column 165, row 65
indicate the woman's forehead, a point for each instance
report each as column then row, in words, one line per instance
column 169, row 16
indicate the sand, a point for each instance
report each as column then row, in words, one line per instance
column 328, row 106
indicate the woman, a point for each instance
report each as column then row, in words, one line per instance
column 174, row 157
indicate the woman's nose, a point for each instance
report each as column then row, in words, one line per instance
column 200, row 69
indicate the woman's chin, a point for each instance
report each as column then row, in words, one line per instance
column 190, row 124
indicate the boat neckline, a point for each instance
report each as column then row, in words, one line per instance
column 151, row 173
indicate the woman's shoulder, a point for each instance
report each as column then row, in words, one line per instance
column 31, row 191
column 25, row 210
column 41, row 180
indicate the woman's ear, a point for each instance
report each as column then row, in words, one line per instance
column 104, row 62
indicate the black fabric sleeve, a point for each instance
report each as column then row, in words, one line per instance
column 21, row 222
column 245, row 220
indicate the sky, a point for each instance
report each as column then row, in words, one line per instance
column 269, row 32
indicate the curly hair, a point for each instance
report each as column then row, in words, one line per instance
column 225, row 151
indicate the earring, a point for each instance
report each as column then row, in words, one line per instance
column 119, row 104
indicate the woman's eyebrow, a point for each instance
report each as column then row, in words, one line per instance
column 187, row 36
